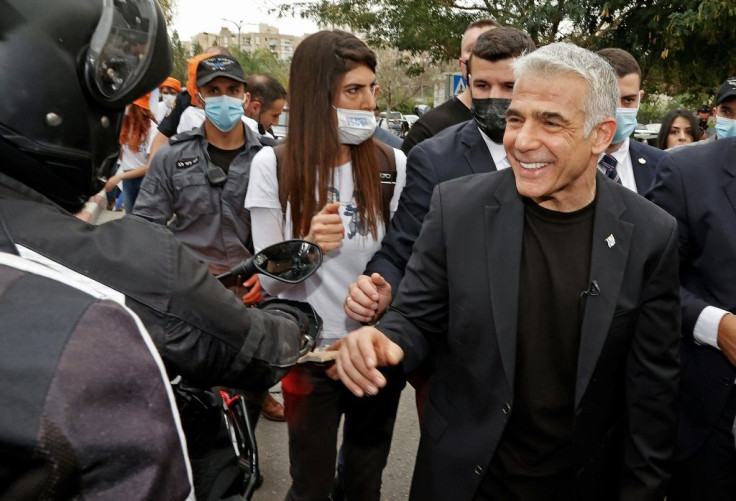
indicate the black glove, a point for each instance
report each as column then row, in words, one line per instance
column 309, row 322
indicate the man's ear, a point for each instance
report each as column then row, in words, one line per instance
column 197, row 100
column 604, row 133
column 252, row 107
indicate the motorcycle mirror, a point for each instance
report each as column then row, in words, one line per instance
column 291, row 261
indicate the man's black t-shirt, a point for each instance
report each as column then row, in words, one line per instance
column 223, row 158
column 534, row 457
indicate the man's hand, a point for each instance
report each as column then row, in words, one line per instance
column 727, row 337
column 332, row 369
column 254, row 294
column 368, row 297
column 326, row 229
column 360, row 353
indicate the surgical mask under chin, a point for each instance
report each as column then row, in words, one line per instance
column 355, row 126
column 625, row 123
column 169, row 100
column 725, row 127
column 490, row 115
column 223, row 111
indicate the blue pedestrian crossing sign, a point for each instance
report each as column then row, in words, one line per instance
column 458, row 84
column 454, row 84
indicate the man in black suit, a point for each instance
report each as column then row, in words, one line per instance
column 456, row 109
column 697, row 186
column 549, row 295
column 470, row 147
column 633, row 162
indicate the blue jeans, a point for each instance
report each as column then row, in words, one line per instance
column 131, row 187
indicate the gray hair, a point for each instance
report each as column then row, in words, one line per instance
column 564, row 59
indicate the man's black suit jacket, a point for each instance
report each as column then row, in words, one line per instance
column 644, row 160
column 460, row 297
column 697, row 185
column 457, row 151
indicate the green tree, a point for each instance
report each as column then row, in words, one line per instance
column 262, row 62
column 402, row 78
column 682, row 45
column 169, row 9
column 180, row 57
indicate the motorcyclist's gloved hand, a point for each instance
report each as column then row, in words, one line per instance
column 276, row 307
column 309, row 322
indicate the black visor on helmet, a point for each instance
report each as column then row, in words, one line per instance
column 121, row 48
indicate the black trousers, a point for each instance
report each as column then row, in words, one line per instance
column 314, row 404
column 710, row 473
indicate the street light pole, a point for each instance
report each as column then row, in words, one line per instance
column 238, row 25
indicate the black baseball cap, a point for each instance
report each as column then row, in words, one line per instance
column 704, row 108
column 727, row 90
column 219, row 66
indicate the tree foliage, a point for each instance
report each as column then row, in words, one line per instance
column 681, row 45
column 262, row 62
column 180, row 56
column 168, row 7
column 403, row 78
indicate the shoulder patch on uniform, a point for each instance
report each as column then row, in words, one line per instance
column 186, row 162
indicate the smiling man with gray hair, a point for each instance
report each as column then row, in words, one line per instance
column 549, row 295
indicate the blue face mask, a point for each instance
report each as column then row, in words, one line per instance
column 223, row 111
column 625, row 123
column 725, row 127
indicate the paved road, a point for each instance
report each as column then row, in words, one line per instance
column 274, row 456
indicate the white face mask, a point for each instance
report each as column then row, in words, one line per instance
column 355, row 126
column 168, row 99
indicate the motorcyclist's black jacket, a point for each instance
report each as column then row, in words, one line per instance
column 202, row 331
column 87, row 409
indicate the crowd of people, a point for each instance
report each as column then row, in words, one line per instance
column 558, row 293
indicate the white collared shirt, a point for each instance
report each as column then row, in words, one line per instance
column 498, row 152
column 624, row 167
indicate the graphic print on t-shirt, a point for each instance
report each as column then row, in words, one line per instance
column 355, row 226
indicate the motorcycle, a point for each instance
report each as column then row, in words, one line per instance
column 216, row 474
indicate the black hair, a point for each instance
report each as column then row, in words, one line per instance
column 664, row 130
column 265, row 89
column 501, row 43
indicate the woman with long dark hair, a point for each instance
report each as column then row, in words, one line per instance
column 136, row 137
column 678, row 127
column 325, row 185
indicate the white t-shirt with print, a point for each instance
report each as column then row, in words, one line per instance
column 131, row 160
column 327, row 288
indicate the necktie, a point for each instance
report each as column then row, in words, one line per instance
column 609, row 163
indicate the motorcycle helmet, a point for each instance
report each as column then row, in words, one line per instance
column 69, row 68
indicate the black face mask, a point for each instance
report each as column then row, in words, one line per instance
column 490, row 115
column 703, row 123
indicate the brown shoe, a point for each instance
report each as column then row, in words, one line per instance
column 272, row 409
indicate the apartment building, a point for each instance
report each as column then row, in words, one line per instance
column 266, row 38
